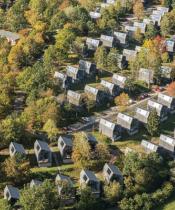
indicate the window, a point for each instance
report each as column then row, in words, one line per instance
column 62, row 143
column 109, row 171
column 12, row 149
column 85, row 178
column 38, row 147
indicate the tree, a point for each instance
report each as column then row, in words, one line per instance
column 88, row 201
column 151, row 31
column 168, row 23
column 81, row 151
column 138, row 36
column 42, row 197
column 138, row 9
column 143, row 174
column 113, row 192
column 171, row 89
column 101, row 57
column 122, row 100
column 112, row 60
column 17, row 168
column 153, row 124
column 12, row 128
column 51, row 129
column 5, row 205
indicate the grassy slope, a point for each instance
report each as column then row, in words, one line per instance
column 170, row 205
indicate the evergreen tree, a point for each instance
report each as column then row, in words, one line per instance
column 112, row 60
column 101, row 57
column 153, row 124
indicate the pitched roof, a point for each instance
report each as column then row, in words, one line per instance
column 155, row 104
column 93, row 42
column 113, row 168
column 9, row 35
column 67, row 140
column 72, row 70
column 74, row 95
column 59, row 75
column 107, row 84
column 107, row 123
column 90, row 175
column 61, row 177
column 13, row 191
column 142, row 113
column 95, row 15
column 43, row 145
column 91, row 90
column 18, row 147
column 150, row 146
column 166, row 100
column 167, row 139
column 124, row 120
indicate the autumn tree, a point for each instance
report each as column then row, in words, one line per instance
column 112, row 60
column 153, row 124
column 101, row 57
column 113, row 192
column 17, row 168
column 81, row 151
column 171, row 89
column 138, row 9
column 42, row 197
column 122, row 101
column 51, row 129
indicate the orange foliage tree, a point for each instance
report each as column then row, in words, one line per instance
column 171, row 89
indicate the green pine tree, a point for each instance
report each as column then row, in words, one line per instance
column 153, row 123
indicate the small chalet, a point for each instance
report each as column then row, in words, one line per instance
column 107, row 41
column 147, row 21
column 141, row 26
column 43, row 153
column 92, row 44
column 167, row 143
column 95, row 15
column 128, row 123
column 119, row 80
column 99, row 95
column 11, row 193
column 88, row 178
column 75, row 73
column 65, row 145
column 129, row 54
column 146, row 75
column 112, row 173
column 165, row 9
column 166, row 72
column 63, row 79
column 170, row 46
column 142, row 115
column 35, row 183
column 11, row 37
column 113, row 89
column 162, row 111
column 15, row 148
column 167, row 101
column 109, row 129
column 121, row 37
column 130, row 29
column 156, row 19
column 88, row 67
column 65, row 188
column 149, row 147
column 74, row 98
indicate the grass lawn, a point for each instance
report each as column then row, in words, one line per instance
column 169, row 206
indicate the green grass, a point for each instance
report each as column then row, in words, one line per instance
column 169, row 206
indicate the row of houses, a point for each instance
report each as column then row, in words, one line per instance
column 87, row 178
column 44, row 154
column 125, row 123
column 78, row 74
column 104, row 91
column 166, row 145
